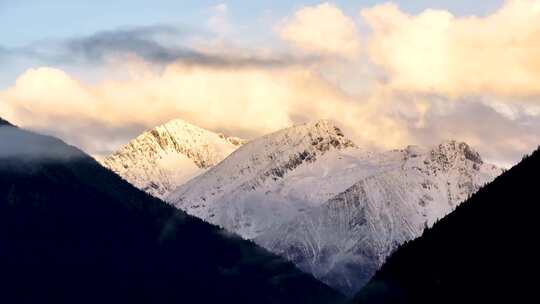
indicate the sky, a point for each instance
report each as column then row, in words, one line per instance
column 26, row 21
column 391, row 74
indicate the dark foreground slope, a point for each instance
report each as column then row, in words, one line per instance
column 74, row 232
column 485, row 251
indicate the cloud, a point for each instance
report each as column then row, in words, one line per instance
column 322, row 30
column 250, row 102
column 499, row 139
column 423, row 65
column 437, row 52
column 246, row 102
column 138, row 41
column 158, row 45
column 219, row 20
column 149, row 44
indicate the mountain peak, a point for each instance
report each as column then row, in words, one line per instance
column 326, row 125
column 5, row 123
column 305, row 141
column 321, row 134
column 168, row 132
column 161, row 159
column 452, row 149
column 179, row 123
column 320, row 123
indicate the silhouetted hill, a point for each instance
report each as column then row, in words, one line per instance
column 4, row 122
column 484, row 252
column 71, row 231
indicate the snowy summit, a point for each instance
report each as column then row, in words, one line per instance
column 161, row 159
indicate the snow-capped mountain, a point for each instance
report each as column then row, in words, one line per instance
column 310, row 194
column 257, row 186
column 306, row 192
column 345, row 240
column 161, row 159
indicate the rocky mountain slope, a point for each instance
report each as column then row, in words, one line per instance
column 483, row 252
column 346, row 239
column 249, row 191
column 161, row 159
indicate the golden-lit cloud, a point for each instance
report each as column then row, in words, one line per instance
column 396, row 89
column 437, row 52
column 322, row 30
column 251, row 101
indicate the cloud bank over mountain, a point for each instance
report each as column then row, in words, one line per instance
column 386, row 76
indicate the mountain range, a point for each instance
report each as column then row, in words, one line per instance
column 310, row 194
column 73, row 231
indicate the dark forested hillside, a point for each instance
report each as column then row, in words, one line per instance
column 74, row 232
column 484, row 252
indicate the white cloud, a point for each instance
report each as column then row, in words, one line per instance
column 322, row 30
column 437, row 52
column 241, row 100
